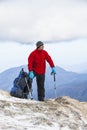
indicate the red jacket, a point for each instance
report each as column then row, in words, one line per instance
column 37, row 61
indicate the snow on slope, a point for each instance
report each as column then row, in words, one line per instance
column 62, row 113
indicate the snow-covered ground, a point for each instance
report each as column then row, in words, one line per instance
column 62, row 113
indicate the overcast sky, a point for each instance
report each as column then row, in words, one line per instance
column 71, row 55
column 32, row 20
column 62, row 21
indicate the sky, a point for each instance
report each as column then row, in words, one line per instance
column 63, row 23
column 71, row 56
column 31, row 20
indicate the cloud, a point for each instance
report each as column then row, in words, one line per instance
column 26, row 20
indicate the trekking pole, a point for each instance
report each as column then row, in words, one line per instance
column 55, row 85
column 29, row 90
column 54, row 78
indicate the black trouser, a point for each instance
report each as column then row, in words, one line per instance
column 40, row 79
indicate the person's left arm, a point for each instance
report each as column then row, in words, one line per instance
column 51, row 63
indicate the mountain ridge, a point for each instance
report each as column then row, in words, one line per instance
column 63, row 113
column 67, row 83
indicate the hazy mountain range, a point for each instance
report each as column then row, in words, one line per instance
column 67, row 83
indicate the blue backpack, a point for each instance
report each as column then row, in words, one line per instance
column 22, row 85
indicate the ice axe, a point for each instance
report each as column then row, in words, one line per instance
column 54, row 78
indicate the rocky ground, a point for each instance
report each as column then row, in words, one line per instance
column 61, row 113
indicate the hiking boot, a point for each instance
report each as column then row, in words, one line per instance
column 41, row 99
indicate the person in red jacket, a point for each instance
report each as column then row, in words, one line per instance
column 37, row 67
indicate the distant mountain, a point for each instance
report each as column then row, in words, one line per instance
column 80, row 68
column 85, row 71
column 7, row 77
column 67, row 83
column 76, row 89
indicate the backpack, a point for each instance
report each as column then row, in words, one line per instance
column 22, row 86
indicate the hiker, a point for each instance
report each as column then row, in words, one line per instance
column 37, row 66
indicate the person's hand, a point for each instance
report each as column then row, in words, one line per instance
column 53, row 70
column 31, row 75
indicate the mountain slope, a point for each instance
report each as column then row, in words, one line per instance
column 67, row 83
column 76, row 89
column 62, row 77
column 62, row 113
